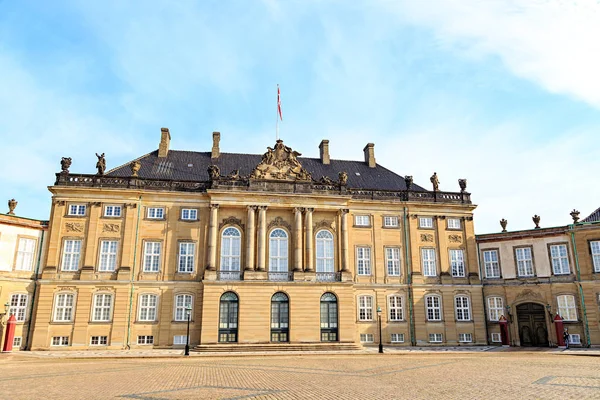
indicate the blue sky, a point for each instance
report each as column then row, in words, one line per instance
column 503, row 93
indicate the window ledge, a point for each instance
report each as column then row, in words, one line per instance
column 100, row 322
column 188, row 220
column 146, row 322
column 362, row 226
column 61, row 322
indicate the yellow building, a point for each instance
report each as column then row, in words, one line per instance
column 263, row 249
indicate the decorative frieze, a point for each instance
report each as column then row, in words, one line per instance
column 455, row 238
column 426, row 237
column 74, row 227
column 111, row 228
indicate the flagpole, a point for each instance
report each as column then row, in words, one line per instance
column 277, row 116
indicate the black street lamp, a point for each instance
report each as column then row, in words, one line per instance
column 380, row 337
column 188, row 311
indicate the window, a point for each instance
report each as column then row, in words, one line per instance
column 390, row 222
column 524, row 261
column 180, row 339
column 278, row 251
column 183, row 302
column 324, row 253
column 395, row 307
column 457, row 261
column 362, row 220
column 112, row 211
column 71, row 254
column 76, row 209
column 147, row 310
column 366, row 338
column 463, row 311
column 280, row 317
column 151, row 256
column 434, row 308
column 60, row 341
column 496, row 338
column 145, row 339
column 156, row 212
column 189, row 214
column 329, row 320
column 491, row 264
column 435, row 338
column 425, row 222
column 566, row 307
column 363, row 260
column 465, row 337
column 495, row 308
column 453, row 223
column 230, row 249
column 228, row 318
column 595, row 250
column 63, row 307
column 17, row 342
column 108, row 255
column 560, row 259
column 574, row 339
column 25, row 254
column 102, row 307
column 365, row 308
column 428, row 260
column 99, row 341
column 186, row 257
column 392, row 260
column 397, row 338
column 18, row 306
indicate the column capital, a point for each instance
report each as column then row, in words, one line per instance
column 298, row 209
column 343, row 211
column 213, row 206
column 309, row 209
column 260, row 208
column 253, row 208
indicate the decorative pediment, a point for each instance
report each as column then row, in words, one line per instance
column 529, row 294
column 279, row 222
column 324, row 224
column 281, row 163
column 231, row 221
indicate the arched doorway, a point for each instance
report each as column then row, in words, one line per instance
column 228, row 318
column 329, row 318
column 280, row 317
column 532, row 325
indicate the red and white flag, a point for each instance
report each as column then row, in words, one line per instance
column 279, row 103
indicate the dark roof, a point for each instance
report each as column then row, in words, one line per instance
column 175, row 167
column 593, row 217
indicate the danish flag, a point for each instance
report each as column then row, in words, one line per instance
column 279, row 103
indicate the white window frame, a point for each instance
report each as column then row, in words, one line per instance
column 436, row 338
column 465, row 338
column 145, row 340
column 147, row 309
column 231, row 249
column 152, row 253
column 189, row 214
column 61, row 341
column 390, row 221
column 18, row 306
column 397, row 338
column 495, row 308
column 453, row 223
column 71, row 256
column 462, row 308
column 17, row 342
column 595, row 252
column 396, row 308
column 186, row 258
column 63, row 311
column 491, row 265
column 367, row 338
column 559, row 258
column 457, row 263
column 363, row 260
column 77, row 209
column 496, row 337
column 525, row 267
column 324, row 251
column 155, row 213
column 433, row 307
column 428, row 261
column 567, row 307
column 99, row 340
column 278, row 251
column 101, row 308
column 179, row 340
column 392, row 261
column 426, row 222
column 574, row 338
column 108, row 255
column 362, row 220
column 113, row 211
column 181, row 303
column 365, row 308
column 25, row 254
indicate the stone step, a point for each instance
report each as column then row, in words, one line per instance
column 287, row 347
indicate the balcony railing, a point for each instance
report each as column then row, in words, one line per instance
column 229, row 275
column 329, row 276
column 281, row 276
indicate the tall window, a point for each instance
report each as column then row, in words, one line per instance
column 77, row 209
column 280, row 317
column 18, row 306
column 148, row 304
column 228, row 318
column 25, row 254
column 491, row 264
column 152, row 256
column 278, row 251
column 457, row 261
column 428, row 262
column 392, row 261
column 186, row 257
column 329, row 318
column 560, row 259
column 182, row 303
column 524, row 261
column 63, row 307
column 395, row 307
column 495, row 308
column 363, row 260
column 365, row 308
column 434, row 308
column 324, row 254
column 102, row 307
column 566, row 307
column 230, row 249
column 108, row 255
column 71, row 255
column 463, row 311
column 595, row 250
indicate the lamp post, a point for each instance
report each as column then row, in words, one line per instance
column 380, row 337
column 188, row 311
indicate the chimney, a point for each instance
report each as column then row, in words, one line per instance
column 216, row 152
column 324, row 150
column 369, row 151
column 165, row 139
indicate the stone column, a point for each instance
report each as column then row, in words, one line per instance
column 309, row 240
column 262, row 238
column 344, row 215
column 250, row 238
column 297, row 239
column 212, row 237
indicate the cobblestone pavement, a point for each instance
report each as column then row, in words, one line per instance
column 480, row 375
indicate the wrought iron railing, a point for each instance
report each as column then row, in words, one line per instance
column 328, row 276
column 229, row 275
column 281, row 276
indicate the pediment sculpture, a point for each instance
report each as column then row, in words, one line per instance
column 281, row 163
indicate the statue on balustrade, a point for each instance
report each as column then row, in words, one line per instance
column 101, row 164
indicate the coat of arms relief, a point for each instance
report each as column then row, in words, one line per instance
column 280, row 163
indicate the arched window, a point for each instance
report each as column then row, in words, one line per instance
column 329, row 318
column 280, row 317
column 278, row 251
column 325, row 259
column 230, row 249
column 228, row 318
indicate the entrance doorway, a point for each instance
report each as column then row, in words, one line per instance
column 532, row 325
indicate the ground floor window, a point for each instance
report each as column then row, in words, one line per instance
column 228, row 318
column 280, row 323
column 60, row 341
column 574, row 339
column 145, row 339
column 366, row 338
column 179, row 339
column 397, row 338
column 99, row 341
column 465, row 337
column 17, row 341
column 435, row 338
column 496, row 338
